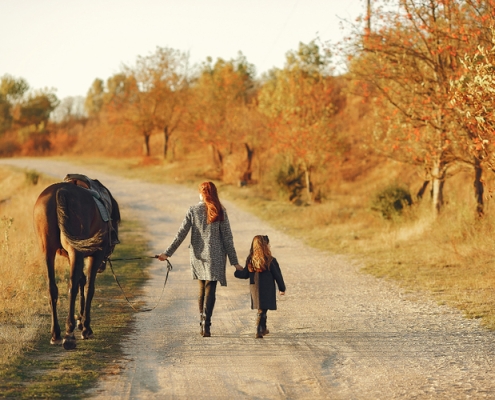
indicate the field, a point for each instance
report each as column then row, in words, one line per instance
column 29, row 366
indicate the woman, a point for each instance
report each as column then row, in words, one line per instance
column 211, row 243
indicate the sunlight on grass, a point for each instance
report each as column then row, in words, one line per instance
column 30, row 367
column 23, row 300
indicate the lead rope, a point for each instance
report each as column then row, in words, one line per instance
column 169, row 268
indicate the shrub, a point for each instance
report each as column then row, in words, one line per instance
column 290, row 180
column 391, row 201
column 32, row 177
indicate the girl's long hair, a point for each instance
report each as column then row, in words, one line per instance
column 260, row 256
column 214, row 210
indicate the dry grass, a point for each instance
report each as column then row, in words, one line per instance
column 22, row 288
column 29, row 366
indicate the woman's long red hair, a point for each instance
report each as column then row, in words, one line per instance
column 214, row 210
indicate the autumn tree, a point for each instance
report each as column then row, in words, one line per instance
column 408, row 60
column 11, row 92
column 302, row 100
column 218, row 112
column 95, row 98
column 71, row 108
column 158, row 93
column 35, row 109
column 472, row 98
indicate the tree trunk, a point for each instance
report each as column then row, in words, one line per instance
column 422, row 191
column 217, row 158
column 147, row 144
column 166, row 138
column 247, row 175
column 309, row 184
column 478, row 187
column 438, row 181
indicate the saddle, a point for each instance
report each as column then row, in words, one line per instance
column 100, row 195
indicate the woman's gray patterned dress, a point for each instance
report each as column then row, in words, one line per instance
column 210, row 246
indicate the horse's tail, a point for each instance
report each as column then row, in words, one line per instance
column 76, row 213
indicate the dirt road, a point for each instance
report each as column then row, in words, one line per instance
column 338, row 334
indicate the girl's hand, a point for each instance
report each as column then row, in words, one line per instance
column 282, row 293
column 162, row 256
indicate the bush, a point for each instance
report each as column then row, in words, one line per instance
column 391, row 201
column 32, row 177
column 9, row 148
column 290, row 181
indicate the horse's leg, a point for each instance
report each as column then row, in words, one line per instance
column 53, row 293
column 76, row 267
column 82, row 301
column 94, row 263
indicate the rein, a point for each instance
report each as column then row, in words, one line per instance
column 169, row 268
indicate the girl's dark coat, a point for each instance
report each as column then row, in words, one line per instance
column 262, row 286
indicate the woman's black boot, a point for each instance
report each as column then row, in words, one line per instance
column 206, row 326
column 201, row 324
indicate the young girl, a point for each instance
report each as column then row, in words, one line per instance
column 263, row 271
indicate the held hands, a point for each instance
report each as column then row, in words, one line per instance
column 238, row 267
column 162, row 256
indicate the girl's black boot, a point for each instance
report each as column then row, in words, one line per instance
column 259, row 328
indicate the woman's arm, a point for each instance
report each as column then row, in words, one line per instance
column 181, row 235
column 228, row 240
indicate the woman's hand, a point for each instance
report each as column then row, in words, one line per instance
column 282, row 293
column 238, row 267
column 162, row 256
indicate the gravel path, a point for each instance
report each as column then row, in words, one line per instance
column 338, row 334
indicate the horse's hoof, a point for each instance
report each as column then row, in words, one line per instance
column 87, row 335
column 56, row 341
column 69, row 342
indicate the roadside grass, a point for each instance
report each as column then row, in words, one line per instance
column 22, row 283
column 29, row 366
column 449, row 257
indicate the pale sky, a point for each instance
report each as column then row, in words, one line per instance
column 67, row 44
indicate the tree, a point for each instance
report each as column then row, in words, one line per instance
column 407, row 62
column 156, row 101
column 35, row 109
column 95, row 98
column 302, row 100
column 219, row 98
column 165, row 74
column 472, row 98
column 69, row 109
column 11, row 91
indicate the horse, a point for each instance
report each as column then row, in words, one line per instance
column 68, row 222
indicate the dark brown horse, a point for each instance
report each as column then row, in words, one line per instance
column 68, row 223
